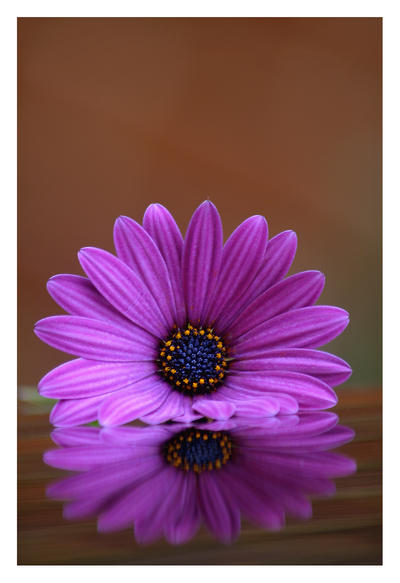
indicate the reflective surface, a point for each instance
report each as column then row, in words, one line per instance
column 238, row 492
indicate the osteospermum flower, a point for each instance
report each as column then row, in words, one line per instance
column 177, row 329
column 169, row 479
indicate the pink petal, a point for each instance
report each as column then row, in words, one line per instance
column 213, row 408
column 188, row 414
column 309, row 392
column 123, row 289
column 327, row 367
column 299, row 290
column 270, row 402
column 242, row 257
column 261, row 407
column 202, row 252
column 95, row 339
column 130, row 404
column 278, row 258
column 185, row 521
column 303, row 328
column 138, row 250
column 85, row 458
column 104, row 480
column 87, row 378
column 78, row 296
column 254, row 503
column 288, row 405
column 75, row 411
column 71, row 436
column 123, row 511
column 221, row 517
column 161, row 226
column 170, row 409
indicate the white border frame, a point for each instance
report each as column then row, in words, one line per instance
column 207, row 8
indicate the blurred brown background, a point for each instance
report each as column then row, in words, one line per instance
column 280, row 117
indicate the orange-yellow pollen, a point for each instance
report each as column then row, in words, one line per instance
column 198, row 450
column 193, row 359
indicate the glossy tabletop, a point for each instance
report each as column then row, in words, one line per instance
column 345, row 528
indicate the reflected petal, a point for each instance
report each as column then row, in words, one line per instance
column 167, row 480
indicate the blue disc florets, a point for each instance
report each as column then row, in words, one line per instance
column 198, row 449
column 193, row 360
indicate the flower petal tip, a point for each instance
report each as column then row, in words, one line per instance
column 122, row 220
column 332, row 400
column 105, row 421
column 48, row 457
column 52, row 283
column 84, row 251
column 219, row 410
column 39, row 325
column 155, row 208
column 291, row 240
column 319, row 276
column 83, row 255
column 207, row 203
column 51, row 490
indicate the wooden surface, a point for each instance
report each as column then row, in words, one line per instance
column 344, row 530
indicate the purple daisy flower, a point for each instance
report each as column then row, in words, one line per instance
column 179, row 329
column 169, row 479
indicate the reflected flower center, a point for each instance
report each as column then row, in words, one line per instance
column 198, row 450
column 193, row 360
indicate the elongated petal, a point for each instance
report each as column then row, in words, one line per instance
column 201, row 261
column 85, row 457
column 258, row 404
column 242, row 257
column 170, row 409
column 302, row 424
column 138, row 250
column 303, row 328
column 78, row 296
column 152, row 518
column 261, row 407
column 86, row 378
column 254, row 503
column 130, row 404
column 213, row 408
column 299, row 290
column 331, row 464
column 288, row 405
column 124, row 510
column 278, row 258
column 104, row 480
column 124, row 289
column 327, row 367
column 308, row 466
column 188, row 414
column 147, row 438
column 310, row 393
column 185, row 521
column 70, row 412
column 221, row 517
column 151, row 521
column 72, row 436
column 95, row 339
column 161, row 226
column 335, row 437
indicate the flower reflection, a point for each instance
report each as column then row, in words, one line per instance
column 167, row 480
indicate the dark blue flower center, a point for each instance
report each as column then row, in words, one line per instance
column 198, row 450
column 193, row 360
